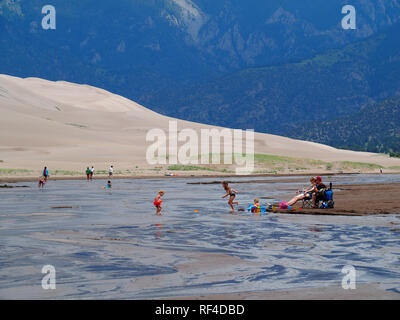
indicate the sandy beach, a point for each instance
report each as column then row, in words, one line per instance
column 360, row 200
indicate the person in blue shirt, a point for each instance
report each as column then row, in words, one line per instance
column 45, row 174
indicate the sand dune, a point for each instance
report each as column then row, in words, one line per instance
column 68, row 126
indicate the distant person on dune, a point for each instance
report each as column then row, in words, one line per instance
column 91, row 173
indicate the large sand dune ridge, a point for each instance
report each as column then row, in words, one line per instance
column 68, row 126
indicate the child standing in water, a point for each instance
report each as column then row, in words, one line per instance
column 108, row 185
column 41, row 182
column 157, row 202
column 88, row 173
column 256, row 206
column 231, row 193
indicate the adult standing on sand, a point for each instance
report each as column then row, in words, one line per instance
column 45, row 174
column 91, row 173
column 110, row 171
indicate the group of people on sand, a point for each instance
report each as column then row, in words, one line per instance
column 90, row 173
column 313, row 192
column 43, row 178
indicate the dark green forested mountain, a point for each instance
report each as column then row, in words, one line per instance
column 376, row 128
column 282, row 98
column 136, row 47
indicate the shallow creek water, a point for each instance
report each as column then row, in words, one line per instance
column 110, row 244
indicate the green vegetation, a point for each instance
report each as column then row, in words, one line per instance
column 294, row 163
column 76, row 125
column 276, row 162
column 179, row 167
column 375, row 129
column 272, row 159
column 156, row 169
column 59, row 109
column 268, row 171
column 9, row 171
column 360, row 165
column 65, row 173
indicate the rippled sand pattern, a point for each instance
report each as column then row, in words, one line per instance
column 111, row 245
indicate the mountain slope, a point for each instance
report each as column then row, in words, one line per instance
column 281, row 99
column 376, row 128
column 135, row 47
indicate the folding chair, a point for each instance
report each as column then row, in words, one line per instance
column 327, row 198
column 308, row 202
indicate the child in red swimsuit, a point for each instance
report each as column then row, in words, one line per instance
column 41, row 182
column 157, row 202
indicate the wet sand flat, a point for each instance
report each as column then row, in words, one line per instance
column 373, row 291
column 360, row 200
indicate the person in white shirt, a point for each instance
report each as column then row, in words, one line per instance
column 91, row 173
column 110, row 171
